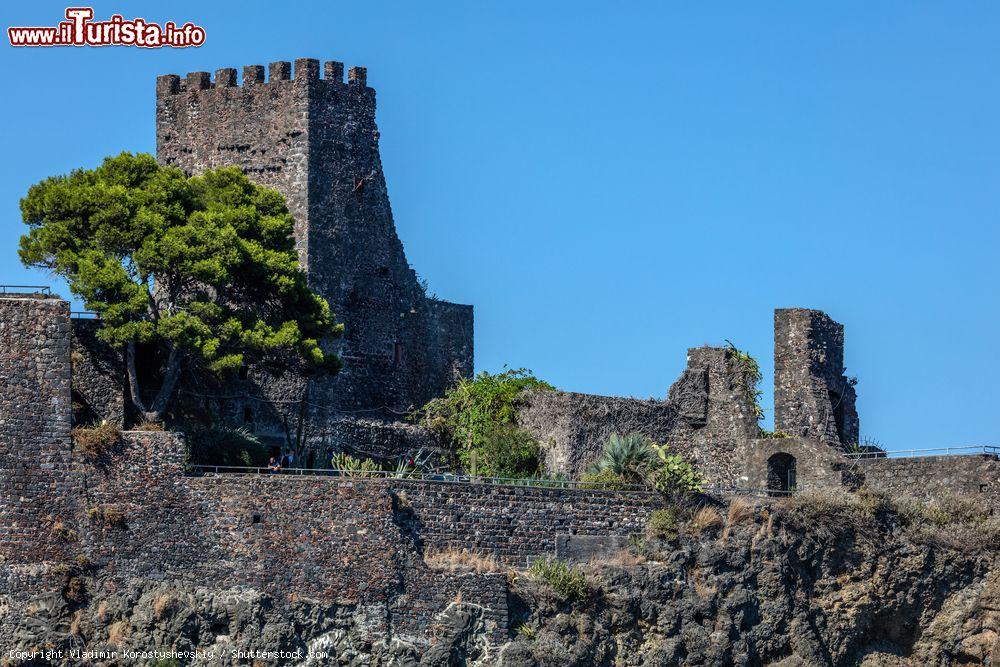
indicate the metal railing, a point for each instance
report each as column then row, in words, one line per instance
column 26, row 289
column 446, row 477
column 84, row 315
column 991, row 450
column 454, row 478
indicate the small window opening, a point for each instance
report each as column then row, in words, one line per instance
column 255, row 518
column 247, row 414
column 397, row 353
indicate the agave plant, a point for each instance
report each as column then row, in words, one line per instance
column 628, row 456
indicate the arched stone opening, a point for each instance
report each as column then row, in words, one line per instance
column 781, row 473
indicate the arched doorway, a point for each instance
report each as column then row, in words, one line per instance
column 781, row 473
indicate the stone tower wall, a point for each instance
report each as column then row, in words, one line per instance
column 37, row 515
column 315, row 140
column 812, row 396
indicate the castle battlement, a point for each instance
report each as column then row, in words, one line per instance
column 306, row 70
column 314, row 139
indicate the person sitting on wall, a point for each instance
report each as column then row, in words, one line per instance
column 273, row 465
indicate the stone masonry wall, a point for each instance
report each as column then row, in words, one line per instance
column 315, row 140
column 516, row 524
column 98, row 377
column 36, row 478
column 930, row 477
column 818, row 466
column 812, row 396
column 707, row 417
column 39, row 487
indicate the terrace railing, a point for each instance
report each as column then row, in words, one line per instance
column 453, row 478
column 26, row 289
column 968, row 450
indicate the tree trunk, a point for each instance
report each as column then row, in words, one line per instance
column 170, row 377
column 133, row 378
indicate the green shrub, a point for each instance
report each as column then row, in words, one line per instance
column 604, row 479
column 96, row 441
column 748, row 371
column 673, row 474
column 568, row 582
column 630, row 457
column 662, row 524
column 220, row 446
column 508, row 452
column 478, row 417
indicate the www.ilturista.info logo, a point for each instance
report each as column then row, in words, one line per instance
column 80, row 30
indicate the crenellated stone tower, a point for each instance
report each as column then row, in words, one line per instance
column 314, row 139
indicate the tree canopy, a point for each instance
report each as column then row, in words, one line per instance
column 204, row 266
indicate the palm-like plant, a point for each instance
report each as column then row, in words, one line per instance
column 628, row 456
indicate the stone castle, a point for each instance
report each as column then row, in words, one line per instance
column 357, row 544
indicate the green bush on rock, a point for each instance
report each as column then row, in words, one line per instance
column 568, row 582
column 478, row 417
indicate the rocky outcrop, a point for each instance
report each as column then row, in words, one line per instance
column 770, row 591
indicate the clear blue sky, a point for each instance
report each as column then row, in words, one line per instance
column 610, row 185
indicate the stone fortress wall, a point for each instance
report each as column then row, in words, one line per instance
column 314, row 139
column 360, row 543
column 707, row 417
column 356, row 543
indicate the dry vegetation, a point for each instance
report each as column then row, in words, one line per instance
column 64, row 532
column 163, row 605
column 705, row 520
column 75, row 590
column 118, row 632
column 740, row 511
column 620, row 558
column 96, row 441
column 954, row 522
column 461, row 560
column 148, row 426
column 108, row 515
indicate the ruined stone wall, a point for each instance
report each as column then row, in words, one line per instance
column 139, row 521
column 812, row 396
column 707, row 417
column 99, row 382
column 315, row 140
column 818, row 466
column 933, row 477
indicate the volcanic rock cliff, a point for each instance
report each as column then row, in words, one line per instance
column 808, row 580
